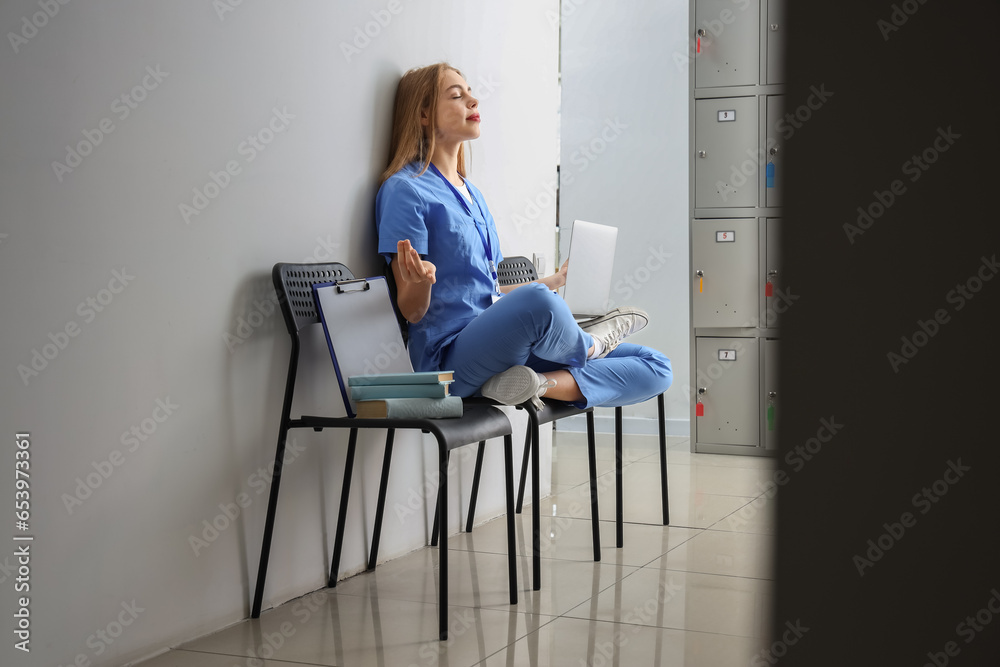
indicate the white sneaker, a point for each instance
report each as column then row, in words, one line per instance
column 517, row 385
column 616, row 326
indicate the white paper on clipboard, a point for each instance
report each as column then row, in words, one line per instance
column 361, row 330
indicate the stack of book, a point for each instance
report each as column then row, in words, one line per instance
column 404, row 395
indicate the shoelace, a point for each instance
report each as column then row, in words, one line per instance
column 616, row 336
column 536, row 400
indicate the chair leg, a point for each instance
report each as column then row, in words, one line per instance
column 595, row 515
column 272, row 505
column 475, row 486
column 508, row 455
column 380, row 508
column 524, row 466
column 345, row 493
column 434, row 528
column 442, row 512
column 536, row 551
column 663, row 459
column 619, row 528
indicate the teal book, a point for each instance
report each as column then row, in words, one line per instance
column 425, row 377
column 366, row 392
column 410, row 408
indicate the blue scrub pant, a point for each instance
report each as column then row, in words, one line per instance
column 533, row 326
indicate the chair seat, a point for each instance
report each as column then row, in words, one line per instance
column 555, row 410
column 478, row 422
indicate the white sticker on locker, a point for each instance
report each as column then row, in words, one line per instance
column 727, row 355
column 727, row 115
column 725, row 237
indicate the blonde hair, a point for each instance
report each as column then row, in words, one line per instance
column 417, row 92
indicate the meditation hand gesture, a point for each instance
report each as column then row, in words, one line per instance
column 412, row 269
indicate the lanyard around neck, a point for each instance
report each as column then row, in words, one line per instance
column 484, row 236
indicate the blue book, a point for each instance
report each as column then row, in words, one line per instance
column 425, row 377
column 367, row 392
column 410, row 408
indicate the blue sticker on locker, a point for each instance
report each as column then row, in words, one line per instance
column 770, row 174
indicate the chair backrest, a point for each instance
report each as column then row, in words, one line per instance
column 516, row 270
column 293, row 284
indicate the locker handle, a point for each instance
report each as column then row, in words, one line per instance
column 772, row 394
column 773, row 151
column 772, row 272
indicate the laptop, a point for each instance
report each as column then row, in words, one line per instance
column 591, row 262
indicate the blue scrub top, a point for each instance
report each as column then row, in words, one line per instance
column 441, row 224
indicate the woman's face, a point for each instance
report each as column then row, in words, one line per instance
column 457, row 110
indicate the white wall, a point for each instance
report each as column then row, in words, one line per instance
column 188, row 326
column 624, row 150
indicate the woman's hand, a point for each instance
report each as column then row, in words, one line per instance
column 560, row 277
column 414, row 278
column 412, row 269
column 557, row 279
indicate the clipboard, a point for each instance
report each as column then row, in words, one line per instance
column 361, row 330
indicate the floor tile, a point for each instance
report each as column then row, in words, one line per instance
column 721, row 552
column 695, row 592
column 477, row 579
column 571, row 641
column 757, row 516
column 183, row 658
column 568, row 538
column 684, row 601
column 641, row 504
column 330, row 628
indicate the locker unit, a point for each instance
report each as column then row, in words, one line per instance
column 769, row 400
column 726, row 145
column 738, row 293
column 775, row 35
column 724, row 255
column 727, row 372
column 773, row 172
column 774, row 303
column 727, row 40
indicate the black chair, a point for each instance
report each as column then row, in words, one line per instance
column 515, row 271
column 293, row 284
column 511, row 272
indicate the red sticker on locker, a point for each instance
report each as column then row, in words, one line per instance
column 699, row 409
column 769, row 289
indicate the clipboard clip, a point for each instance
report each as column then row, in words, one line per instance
column 356, row 285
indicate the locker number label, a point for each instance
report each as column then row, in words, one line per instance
column 727, row 115
column 725, row 237
column 727, row 355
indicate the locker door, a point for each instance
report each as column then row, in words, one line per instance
column 770, row 406
column 774, row 173
column 726, row 278
column 774, row 304
column 727, row 385
column 729, row 34
column 775, row 41
column 727, row 161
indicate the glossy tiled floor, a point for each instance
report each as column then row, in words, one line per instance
column 695, row 593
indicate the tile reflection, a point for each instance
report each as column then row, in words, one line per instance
column 697, row 592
